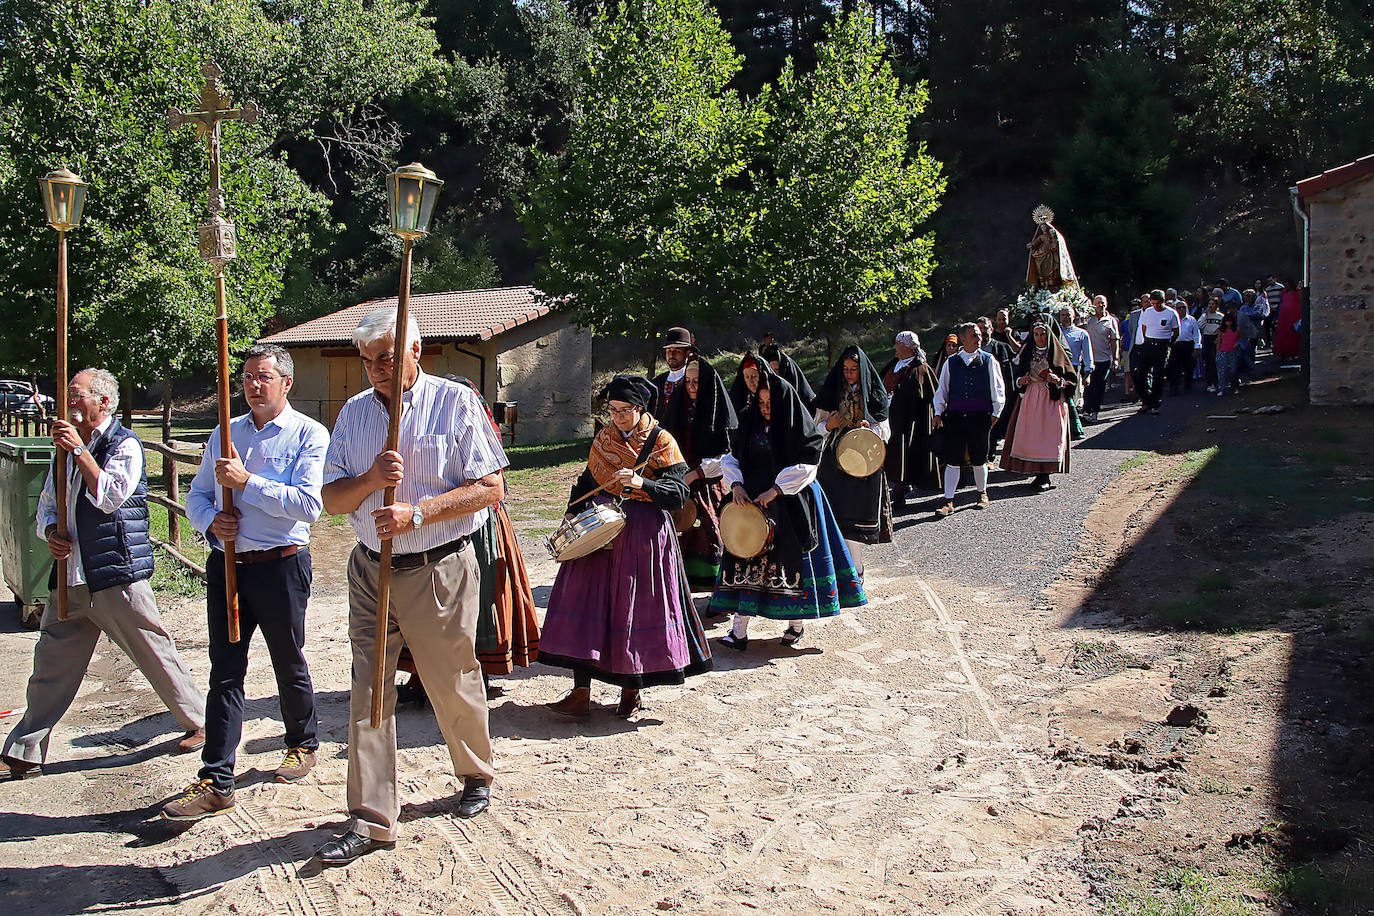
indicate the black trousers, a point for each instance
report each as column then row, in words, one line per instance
column 1209, row 359
column 272, row 598
column 1097, row 387
column 965, row 438
column 1181, row 361
column 1149, row 375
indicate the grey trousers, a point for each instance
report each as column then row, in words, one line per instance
column 128, row 615
column 434, row 609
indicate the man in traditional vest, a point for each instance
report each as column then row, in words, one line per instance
column 678, row 345
column 109, row 563
column 968, row 400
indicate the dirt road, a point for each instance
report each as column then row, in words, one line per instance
column 946, row 749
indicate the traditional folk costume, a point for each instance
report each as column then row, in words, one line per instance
column 788, row 370
column 665, row 383
column 507, row 621
column 741, row 395
column 701, row 426
column 624, row 614
column 1038, row 433
column 1005, row 354
column 863, row 505
column 969, row 398
column 911, row 460
column 806, row 573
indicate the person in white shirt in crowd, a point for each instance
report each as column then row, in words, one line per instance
column 1155, row 333
column 1104, row 335
column 1183, row 352
column 109, row 562
column 969, row 398
column 1210, row 326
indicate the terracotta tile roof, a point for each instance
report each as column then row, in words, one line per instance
column 474, row 314
column 1336, row 177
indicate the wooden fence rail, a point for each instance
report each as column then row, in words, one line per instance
column 173, row 454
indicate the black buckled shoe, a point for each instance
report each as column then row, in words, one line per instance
column 349, row 846
column 475, row 799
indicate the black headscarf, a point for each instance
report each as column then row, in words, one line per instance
column 740, row 395
column 872, row 394
column 791, row 373
column 632, row 389
column 793, row 434
column 714, row 420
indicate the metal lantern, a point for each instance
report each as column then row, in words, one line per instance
column 411, row 192
column 63, row 196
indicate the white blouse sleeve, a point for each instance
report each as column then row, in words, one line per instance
column 711, row 467
column 883, row 429
column 729, row 469
column 792, row 480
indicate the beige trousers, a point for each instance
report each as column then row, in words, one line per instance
column 434, row 608
column 128, row 615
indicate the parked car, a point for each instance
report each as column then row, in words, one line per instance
column 20, row 397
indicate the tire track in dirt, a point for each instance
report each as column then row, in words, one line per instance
column 295, row 896
column 509, row 875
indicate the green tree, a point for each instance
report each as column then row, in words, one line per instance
column 1118, row 208
column 637, row 221
column 88, row 85
column 843, row 237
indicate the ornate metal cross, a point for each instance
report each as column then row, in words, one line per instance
column 218, row 247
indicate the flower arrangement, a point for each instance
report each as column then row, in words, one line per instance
column 1034, row 302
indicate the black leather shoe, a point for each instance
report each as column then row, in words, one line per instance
column 346, row 847
column 475, row 798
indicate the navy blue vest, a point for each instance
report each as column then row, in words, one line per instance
column 970, row 389
column 115, row 549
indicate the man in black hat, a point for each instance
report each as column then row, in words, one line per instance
column 678, row 345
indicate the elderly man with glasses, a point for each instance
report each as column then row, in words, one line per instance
column 109, row 562
column 276, row 471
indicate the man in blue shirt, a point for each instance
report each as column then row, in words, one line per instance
column 1080, row 348
column 277, row 469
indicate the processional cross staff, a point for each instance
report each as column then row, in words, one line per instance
column 218, row 247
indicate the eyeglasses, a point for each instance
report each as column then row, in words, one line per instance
column 621, row 411
column 262, row 378
column 76, row 394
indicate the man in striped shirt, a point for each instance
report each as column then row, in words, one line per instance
column 446, row 470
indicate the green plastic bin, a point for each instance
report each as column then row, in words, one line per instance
column 23, row 468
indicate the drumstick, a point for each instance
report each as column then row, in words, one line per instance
column 601, row 488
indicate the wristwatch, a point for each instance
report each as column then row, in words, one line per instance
column 417, row 518
column 76, row 452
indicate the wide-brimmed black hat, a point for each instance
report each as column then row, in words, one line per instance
column 677, row 337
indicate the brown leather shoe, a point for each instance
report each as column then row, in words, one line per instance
column 297, row 763
column 946, row 509
column 14, row 768
column 982, row 499
column 191, row 741
column 576, row 705
column 199, row 799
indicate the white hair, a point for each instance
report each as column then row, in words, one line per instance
column 910, row 340
column 103, row 383
column 380, row 324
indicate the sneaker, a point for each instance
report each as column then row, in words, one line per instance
column 1211, row 388
column 982, row 500
column 946, row 509
column 199, row 799
column 295, row 765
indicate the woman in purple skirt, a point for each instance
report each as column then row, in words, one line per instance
column 624, row 614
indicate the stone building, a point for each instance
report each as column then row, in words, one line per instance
column 518, row 350
column 1339, row 205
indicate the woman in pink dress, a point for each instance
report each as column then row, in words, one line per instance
column 1038, row 432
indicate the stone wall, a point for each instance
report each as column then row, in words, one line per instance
column 546, row 368
column 1342, row 292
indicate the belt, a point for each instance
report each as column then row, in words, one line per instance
column 263, row 556
column 416, row 560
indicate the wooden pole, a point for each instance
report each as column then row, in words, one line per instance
column 60, row 456
column 226, row 450
column 399, row 354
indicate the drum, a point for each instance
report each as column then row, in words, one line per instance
column 684, row 519
column 860, row 452
column 745, row 529
column 591, row 529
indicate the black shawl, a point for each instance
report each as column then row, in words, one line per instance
column 740, row 396
column 872, row 393
column 793, row 434
column 710, row 430
column 1059, row 361
column 791, row 374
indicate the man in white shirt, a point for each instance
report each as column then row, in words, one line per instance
column 1156, row 330
column 1105, row 336
column 109, row 562
column 678, row 346
column 446, row 470
column 1210, row 326
column 1183, row 353
column 968, row 400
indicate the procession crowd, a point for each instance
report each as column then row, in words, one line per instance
column 762, row 492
